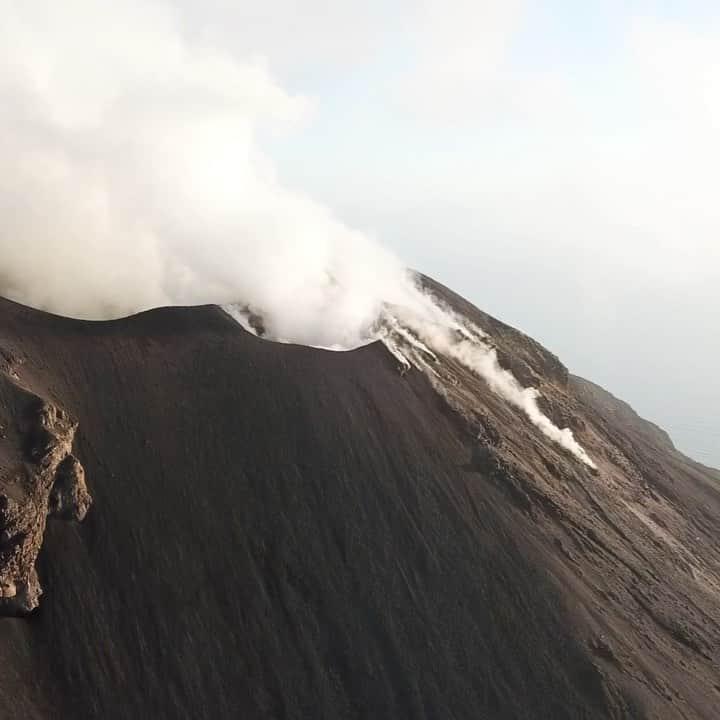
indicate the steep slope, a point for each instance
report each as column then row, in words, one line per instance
column 283, row 532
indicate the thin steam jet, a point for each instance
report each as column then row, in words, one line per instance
column 482, row 360
column 432, row 330
column 135, row 179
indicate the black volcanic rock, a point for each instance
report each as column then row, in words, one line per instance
column 38, row 475
column 284, row 532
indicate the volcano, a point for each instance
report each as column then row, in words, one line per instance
column 197, row 522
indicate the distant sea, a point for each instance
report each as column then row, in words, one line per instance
column 693, row 426
column 688, row 415
column 687, row 410
column 697, row 439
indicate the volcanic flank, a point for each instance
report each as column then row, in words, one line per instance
column 279, row 531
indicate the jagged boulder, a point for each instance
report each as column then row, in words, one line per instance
column 69, row 496
column 39, row 476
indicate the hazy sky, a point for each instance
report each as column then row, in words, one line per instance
column 556, row 162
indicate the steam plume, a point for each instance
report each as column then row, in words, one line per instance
column 132, row 178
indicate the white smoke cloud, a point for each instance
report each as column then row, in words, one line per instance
column 132, row 178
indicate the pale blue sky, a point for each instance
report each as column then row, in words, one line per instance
column 563, row 176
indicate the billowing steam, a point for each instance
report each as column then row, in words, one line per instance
column 132, row 178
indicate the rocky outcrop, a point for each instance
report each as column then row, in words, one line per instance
column 39, row 476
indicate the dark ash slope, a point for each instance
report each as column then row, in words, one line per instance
column 281, row 532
